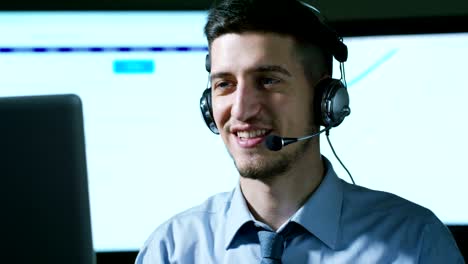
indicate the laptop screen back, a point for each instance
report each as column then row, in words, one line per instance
column 44, row 189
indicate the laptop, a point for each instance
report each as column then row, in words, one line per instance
column 45, row 212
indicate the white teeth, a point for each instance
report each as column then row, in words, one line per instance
column 251, row 133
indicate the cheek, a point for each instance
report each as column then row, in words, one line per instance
column 307, row 112
column 221, row 112
column 297, row 114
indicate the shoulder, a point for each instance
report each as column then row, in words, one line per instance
column 382, row 215
column 398, row 223
column 186, row 228
column 205, row 214
column 362, row 200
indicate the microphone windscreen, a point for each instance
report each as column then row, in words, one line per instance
column 274, row 143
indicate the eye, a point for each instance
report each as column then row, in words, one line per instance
column 223, row 86
column 268, row 81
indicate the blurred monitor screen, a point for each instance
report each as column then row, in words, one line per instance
column 140, row 76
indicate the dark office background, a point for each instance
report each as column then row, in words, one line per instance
column 358, row 17
column 349, row 18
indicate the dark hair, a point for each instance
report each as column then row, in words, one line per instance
column 284, row 17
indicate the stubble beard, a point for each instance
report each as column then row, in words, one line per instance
column 270, row 169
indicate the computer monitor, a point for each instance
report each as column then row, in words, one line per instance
column 141, row 75
column 43, row 181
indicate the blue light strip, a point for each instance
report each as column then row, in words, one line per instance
column 97, row 49
column 373, row 67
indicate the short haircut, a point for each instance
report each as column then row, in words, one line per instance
column 284, row 17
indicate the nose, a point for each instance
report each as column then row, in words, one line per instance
column 247, row 102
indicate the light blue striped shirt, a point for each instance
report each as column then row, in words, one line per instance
column 342, row 223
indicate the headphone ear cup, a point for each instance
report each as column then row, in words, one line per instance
column 331, row 102
column 207, row 110
column 207, row 63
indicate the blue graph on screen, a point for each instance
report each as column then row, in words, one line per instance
column 372, row 67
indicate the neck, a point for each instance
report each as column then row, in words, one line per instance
column 274, row 201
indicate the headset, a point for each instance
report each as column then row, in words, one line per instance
column 331, row 99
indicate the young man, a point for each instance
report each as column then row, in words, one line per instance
column 269, row 63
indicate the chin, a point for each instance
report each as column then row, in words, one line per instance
column 262, row 166
column 262, row 169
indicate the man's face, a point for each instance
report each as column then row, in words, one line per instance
column 259, row 88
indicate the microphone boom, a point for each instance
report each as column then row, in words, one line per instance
column 275, row 143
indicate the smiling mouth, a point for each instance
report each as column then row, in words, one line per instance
column 259, row 133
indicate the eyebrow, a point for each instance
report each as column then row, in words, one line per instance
column 272, row 68
column 262, row 68
column 219, row 75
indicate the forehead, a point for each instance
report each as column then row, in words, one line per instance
column 233, row 51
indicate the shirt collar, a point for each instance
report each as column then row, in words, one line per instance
column 237, row 215
column 321, row 213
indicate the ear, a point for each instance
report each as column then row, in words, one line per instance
column 323, row 76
